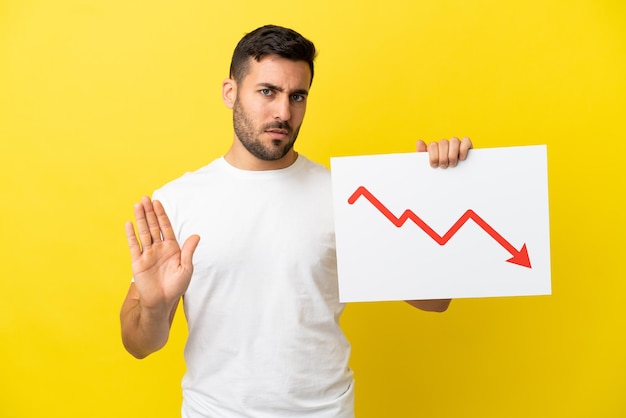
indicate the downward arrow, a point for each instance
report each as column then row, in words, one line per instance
column 519, row 257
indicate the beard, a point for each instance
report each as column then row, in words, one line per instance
column 249, row 136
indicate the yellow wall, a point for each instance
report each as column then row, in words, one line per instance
column 103, row 101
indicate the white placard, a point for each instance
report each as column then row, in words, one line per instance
column 407, row 231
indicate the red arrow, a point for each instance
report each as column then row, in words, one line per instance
column 519, row 257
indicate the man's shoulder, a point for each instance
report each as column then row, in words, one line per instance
column 201, row 177
column 313, row 166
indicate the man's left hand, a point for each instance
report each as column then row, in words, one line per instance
column 446, row 153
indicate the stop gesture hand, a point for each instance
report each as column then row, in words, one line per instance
column 161, row 269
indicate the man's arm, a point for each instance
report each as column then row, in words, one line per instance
column 441, row 154
column 432, row 305
column 144, row 330
column 161, row 271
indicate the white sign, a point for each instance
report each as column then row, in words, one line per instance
column 407, row 231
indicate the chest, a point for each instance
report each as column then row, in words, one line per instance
column 262, row 229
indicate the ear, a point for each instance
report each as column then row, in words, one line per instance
column 229, row 92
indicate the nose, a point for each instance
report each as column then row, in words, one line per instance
column 282, row 107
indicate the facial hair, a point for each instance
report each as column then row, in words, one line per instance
column 249, row 136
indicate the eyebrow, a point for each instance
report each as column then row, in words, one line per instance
column 280, row 89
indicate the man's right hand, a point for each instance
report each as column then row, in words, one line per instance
column 162, row 271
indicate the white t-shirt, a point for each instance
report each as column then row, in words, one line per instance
column 262, row 307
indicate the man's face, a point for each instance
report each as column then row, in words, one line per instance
column 269, row 106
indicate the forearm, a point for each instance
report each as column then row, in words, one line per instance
column 145, row 331
column 431, row 305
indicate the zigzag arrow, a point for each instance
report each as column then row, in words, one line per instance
column 520, row 257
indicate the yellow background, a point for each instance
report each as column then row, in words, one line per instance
column 104, row 101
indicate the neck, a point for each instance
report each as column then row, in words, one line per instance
column 240, row 158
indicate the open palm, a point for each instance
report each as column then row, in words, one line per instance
column 161, row 269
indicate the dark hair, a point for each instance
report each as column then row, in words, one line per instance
column 270, row 40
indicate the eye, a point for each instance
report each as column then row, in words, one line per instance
column 265, row 92
column 298, row 97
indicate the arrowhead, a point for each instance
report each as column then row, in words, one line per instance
column 520, row 257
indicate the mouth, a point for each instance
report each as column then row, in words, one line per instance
column 277, row 133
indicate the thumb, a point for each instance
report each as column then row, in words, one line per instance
column 421, row 146
column 186, row 253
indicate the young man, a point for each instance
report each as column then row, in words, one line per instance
column 260, row 295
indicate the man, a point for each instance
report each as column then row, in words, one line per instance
column 260, row 295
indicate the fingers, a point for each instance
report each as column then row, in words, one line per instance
column 143, row 230
column 433, row 154
column 454, row 146
column 446, row 153
column 466, row 145
column 165, row 227
column 186, row 254
column 153, row 226
column 133, row 244
column 151, row 219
